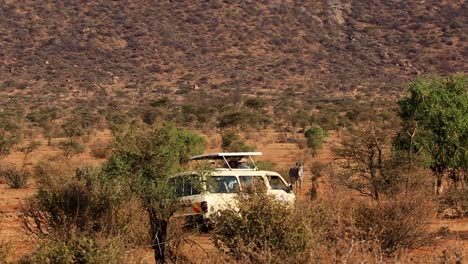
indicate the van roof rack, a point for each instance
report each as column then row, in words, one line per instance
column 221, row 155
column 229, row 155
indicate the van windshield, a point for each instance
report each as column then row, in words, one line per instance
column 222, row 184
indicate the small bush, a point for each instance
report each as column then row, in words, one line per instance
column 52, row 172
column 70, row 148
column 16, row 178
column 255, row 103
column 260, row 230
column 77, row 250
column 443, row 231
column 398, row 224
column 454, row 203
column 100, row 150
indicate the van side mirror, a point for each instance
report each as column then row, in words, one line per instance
column 290, row 188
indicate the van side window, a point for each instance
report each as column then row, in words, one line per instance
column 276, row 183
column 251, row 182
column 186, row 185
column 222, row 184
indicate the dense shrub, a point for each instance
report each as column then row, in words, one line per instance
column 301, row 118
column 260, row 230
column 16, row 178
column 347, row 230
column 149, row 116
column 87, row 202
column 232, row 142
column 398, row 224
column 160, row 102
column 244, row 119
column 255, row 103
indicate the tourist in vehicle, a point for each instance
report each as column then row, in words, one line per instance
column 242, row 164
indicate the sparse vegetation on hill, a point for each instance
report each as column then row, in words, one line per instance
column 226, row 44
column 196, row 63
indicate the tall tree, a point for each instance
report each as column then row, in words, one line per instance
column 150, row 157
column 435, row 125
column 315, row 136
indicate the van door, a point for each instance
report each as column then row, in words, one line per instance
column 280, row 189
column 221, row 192
column 252, row 183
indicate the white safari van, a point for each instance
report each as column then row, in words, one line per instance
column 204, row 193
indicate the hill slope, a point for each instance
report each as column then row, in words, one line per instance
column 312, row 47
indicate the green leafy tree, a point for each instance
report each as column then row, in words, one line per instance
column 315, row 136
column 149, row 158
column 435, row 125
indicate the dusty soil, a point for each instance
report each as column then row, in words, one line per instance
column 284, row 154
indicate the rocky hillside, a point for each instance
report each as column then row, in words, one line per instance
column 317, row 48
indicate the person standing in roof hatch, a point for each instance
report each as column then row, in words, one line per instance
column 243, row 164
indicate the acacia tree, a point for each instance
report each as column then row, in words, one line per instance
column 364, row 154
column 73, row 130
column 149, row 158
column 9, row 136
column 435, row 125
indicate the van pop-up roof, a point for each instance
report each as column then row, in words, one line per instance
column 229, row 156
